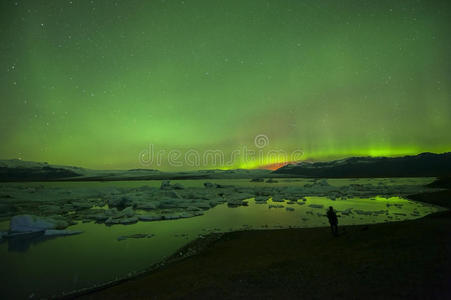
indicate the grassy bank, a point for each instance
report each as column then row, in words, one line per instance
column 408, row 259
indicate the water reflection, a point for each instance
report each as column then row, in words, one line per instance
column 23, row 242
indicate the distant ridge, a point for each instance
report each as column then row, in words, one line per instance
column 19, row 171
column 421, row 165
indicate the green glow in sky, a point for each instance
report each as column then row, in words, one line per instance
column 93, row 83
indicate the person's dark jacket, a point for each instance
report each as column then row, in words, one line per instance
column 332, row 216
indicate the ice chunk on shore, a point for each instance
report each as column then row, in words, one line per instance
column 31, row 223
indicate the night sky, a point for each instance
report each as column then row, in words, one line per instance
column 93, row 83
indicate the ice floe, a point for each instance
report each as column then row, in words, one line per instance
column 61, row 232
column 135, row 236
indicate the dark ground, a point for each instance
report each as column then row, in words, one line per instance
column 409, row 260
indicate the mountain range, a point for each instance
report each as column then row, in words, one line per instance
column 421, row 165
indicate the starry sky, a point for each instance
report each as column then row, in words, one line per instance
column 96, row 83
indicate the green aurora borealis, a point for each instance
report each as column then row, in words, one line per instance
column 93, row 83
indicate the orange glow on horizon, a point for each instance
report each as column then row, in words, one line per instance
column 275, row 166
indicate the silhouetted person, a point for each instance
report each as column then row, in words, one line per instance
column 333, row 221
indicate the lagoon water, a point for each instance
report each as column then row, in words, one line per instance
column 44, row 267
